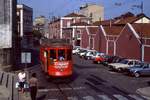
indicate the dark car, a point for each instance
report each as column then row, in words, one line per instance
column 107, row 59
column 112, row 59
column 139, row 70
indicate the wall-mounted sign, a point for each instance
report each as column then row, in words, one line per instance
column 26, row 57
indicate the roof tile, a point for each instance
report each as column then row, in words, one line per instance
column 142, row 29
column 74, row 15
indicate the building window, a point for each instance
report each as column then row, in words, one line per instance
column 68, row 24
column 91, row 15
column 78, row 36
column 78, row 31
column 92, row 43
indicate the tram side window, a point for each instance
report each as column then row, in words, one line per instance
column 61, row 55
column 52, row 54
column 69, row 54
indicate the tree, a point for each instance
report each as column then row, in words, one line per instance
column 37, row 34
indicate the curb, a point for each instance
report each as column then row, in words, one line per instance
column 146, row 96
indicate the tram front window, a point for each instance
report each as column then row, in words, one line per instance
column 53, row 54
column 61, row 55
column 69, row 54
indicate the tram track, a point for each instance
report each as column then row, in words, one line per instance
column 64, row 91
column 64, row 96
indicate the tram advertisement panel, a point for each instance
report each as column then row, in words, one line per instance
column 61, row 64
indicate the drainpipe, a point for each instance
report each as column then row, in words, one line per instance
column 73, row 37
column 61, row 24
column 114, row 48
column 142, row 53
column 107, row 47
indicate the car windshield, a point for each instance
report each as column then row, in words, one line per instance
column 89, row 52
column 124, row 62
column 138, row 66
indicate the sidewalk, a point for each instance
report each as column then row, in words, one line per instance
column 145, row 92
column 4, row 93
column 8, row 91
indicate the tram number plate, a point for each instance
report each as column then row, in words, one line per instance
column 61, row 64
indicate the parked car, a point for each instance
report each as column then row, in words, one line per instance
column 122, row 65
column 89, row 54
column 99, row 59
column 82, row 52
column 76, row 50
column 112, row 59
column 139, row 70
column 97, row 54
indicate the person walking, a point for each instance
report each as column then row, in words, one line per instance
column 22, row 79
column 33, row 83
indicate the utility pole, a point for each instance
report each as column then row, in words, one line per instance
column 142, row 12
column 141, row 7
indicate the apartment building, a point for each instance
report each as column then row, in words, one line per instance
column 93, row 11
column 25, row 24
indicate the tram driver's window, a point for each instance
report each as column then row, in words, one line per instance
column 53, row 54
column 61, row 55
column 69, row 54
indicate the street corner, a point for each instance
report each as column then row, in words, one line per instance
column 145, row 92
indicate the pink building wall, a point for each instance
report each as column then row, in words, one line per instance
column 97, row 41
column 128, row 45
column 84, row 39
column 147, row 54
column 111, row 47
column 103, row 42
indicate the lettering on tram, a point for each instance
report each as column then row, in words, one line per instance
column 56, row 57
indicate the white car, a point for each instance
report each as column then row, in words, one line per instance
column 97, row 54
column 122, row 65
column 82, row 52
column 90, row 54
column 75, row 50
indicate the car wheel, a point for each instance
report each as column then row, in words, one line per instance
column 136, row 74
column 98, row 62
column 119, row 69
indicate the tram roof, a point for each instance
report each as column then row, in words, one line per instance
column 55, row 42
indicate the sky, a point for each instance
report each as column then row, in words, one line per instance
column 112, row 8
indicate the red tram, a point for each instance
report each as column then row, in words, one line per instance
column 56, row 57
